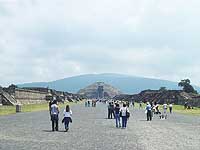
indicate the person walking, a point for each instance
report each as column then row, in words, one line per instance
column 125, row 114
column 50, row 103
column 133, row 103
column 165, row 108
column 117, row 116
column 170, row 108
column 86, row 103
column 112, row 110
column 109, row 110
column 127, row 103
column 54, row 115
column 67, row 117
column 148, row 111
column 140, row 105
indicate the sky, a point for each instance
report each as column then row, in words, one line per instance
column 46, row 40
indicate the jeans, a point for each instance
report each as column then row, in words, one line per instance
column 66, row 122
column 124, row 121
column 117, row 118
column 54, row 119
column 170, row 109
column 66, row 125
column 110, row 114
column 149, row 115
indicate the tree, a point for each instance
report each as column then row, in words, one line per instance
column 163, row 89
column 186, row 86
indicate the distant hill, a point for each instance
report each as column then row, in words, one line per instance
column 91, row 91
column 125, row 83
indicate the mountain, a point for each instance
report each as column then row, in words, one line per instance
column 99, row 90
column 125, row 83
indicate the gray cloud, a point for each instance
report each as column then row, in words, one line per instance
column 45, row 40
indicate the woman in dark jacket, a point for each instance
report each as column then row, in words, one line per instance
column 117, row 116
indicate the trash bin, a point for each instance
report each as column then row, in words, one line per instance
column 18, row 108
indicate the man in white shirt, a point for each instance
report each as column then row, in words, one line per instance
column 54, row 115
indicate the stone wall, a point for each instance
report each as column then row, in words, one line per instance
column 13, row 95
column 25, row 96
column 1, row 98
column 169, row 96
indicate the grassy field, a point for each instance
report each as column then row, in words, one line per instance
column 177, row 109
column 180, row 109
column 6, row 110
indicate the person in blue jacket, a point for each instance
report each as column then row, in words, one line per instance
column 148, row 111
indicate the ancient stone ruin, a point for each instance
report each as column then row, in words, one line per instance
column 33, row 95
column 178, row 97
column 99, row 90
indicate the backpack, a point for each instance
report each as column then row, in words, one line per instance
column 127, row 114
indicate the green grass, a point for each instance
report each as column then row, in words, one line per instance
column 6, row 110
column 180, row 109
column 177, row 109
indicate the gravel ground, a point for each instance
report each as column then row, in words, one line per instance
column 91, row 130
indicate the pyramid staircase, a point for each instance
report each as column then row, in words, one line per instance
column 9, row 99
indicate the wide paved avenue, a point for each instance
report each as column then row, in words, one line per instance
column 91, row 130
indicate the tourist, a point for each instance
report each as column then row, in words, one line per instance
column 67, row 117
column 164, row 115
column 109, row 110
column 93, row 103
column 153, row 109
column 148, row 112
column 127, row 103
column 112, row 110
column 117, row 116
column 133, row 103
column 86, row 103
column 186, row 105
column 54, row 115
column 125, row 114
column 164, row 108
column 157, row 108
column 50, row 103
column 140, row 105
column 170, row 108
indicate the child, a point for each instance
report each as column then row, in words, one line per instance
column 67, row 117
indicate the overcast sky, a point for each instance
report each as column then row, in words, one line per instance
column 44, row 40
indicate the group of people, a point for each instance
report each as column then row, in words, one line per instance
column 87, row 103
column 154, row 109
column 121, row 114
column 54, row 115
